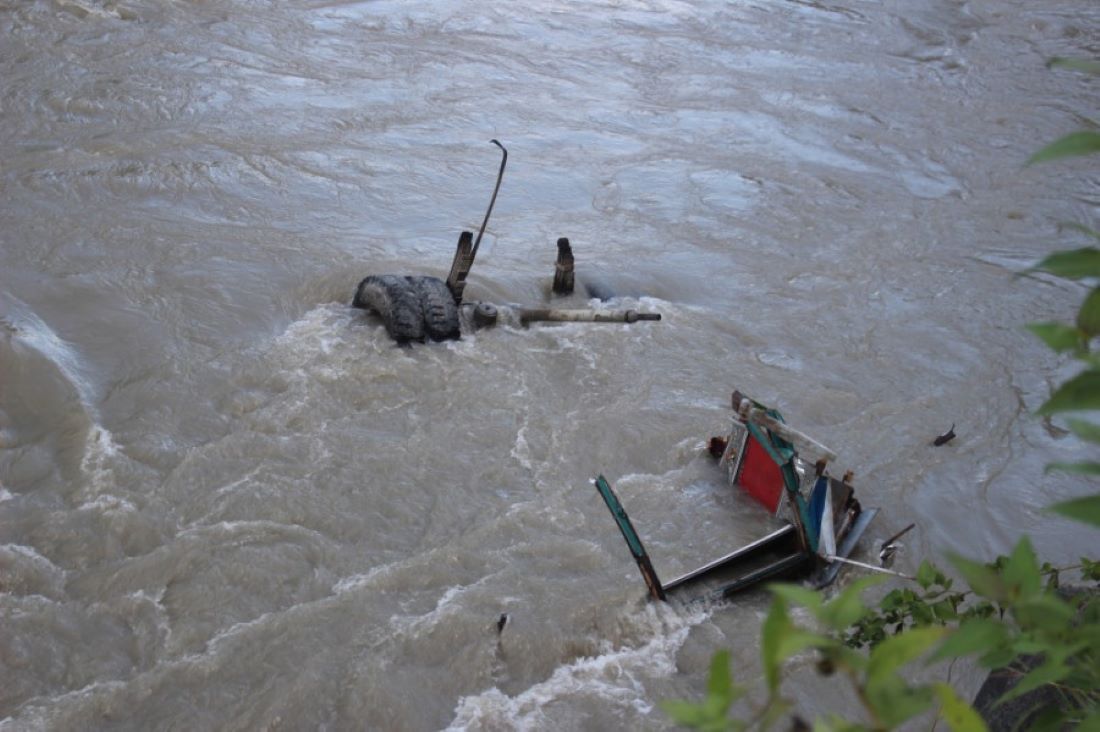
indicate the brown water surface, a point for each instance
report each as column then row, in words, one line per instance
column 227, row 501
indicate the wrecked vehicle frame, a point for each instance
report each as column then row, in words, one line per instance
column 823, row 521
column 415, row 308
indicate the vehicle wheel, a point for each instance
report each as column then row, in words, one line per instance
column 438, row 305
column 396, row 301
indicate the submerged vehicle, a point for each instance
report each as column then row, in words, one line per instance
column 821, row 519
column 418, row 307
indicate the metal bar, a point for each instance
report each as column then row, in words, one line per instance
column 496, row 189
column 632, row 540
column 775, row 536
column 779, row 567
column 898, row 535
column 864, row 565
column 555, row 315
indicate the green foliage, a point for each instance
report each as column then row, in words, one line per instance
column 1082, row 392
column 905, row 607
column 710, row 714
column 1072, row 264
column 1086, row 510
column 959, row 715
column 1085, row 430
column 1059, row 336
column 1078, row 64
column 1011, row 610
column 1075, row 143
column 1079, row 468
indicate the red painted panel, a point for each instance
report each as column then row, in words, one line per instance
column 760, row 476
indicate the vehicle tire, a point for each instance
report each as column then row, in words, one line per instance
column 396, row 301
column 438, row 306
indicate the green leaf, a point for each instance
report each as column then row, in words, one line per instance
column 1046, row 612
column 1087, row 431
column 960, row 716
column 1090, row 570
column 711, row 713
column 847, row 607
column 783, row 639
column 1058, row 336
column 1073, row 264
column 1080, row 392
column 847, row 658
column 1051, row 670
column 893, row 701
column 926, row 574
column 685, row 714
column 1085, row 510
column 1077, row 64
column 982, row 580
column 776, row 709
column 945, row 610
column 1090, row 723
column 776, row 625
column 898, row 650
column 1088, row 317
column 972, row 636
column 1026, row 645
column 1075, row 143
column 719, row 681
column 1021, row 572
column 1051, row 719
column 835, row 723
column 1082, row 468
column 998, row 657
column 796, row 594
column 922, row 613
column 795, row 640
column 893, row 600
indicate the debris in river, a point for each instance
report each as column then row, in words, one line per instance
column 555, row 315
column 563, row 269
column 411, row 307
column 465, row 254
column 889, row 547
column 484, row 315
column 945, row 438
column 415, row 308
column 823, row 520
column 716, row 446
column 501, row 622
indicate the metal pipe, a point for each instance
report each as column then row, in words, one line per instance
column 555, row 315
column 863, row 565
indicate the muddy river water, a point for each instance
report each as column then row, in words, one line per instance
column 228, row 501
